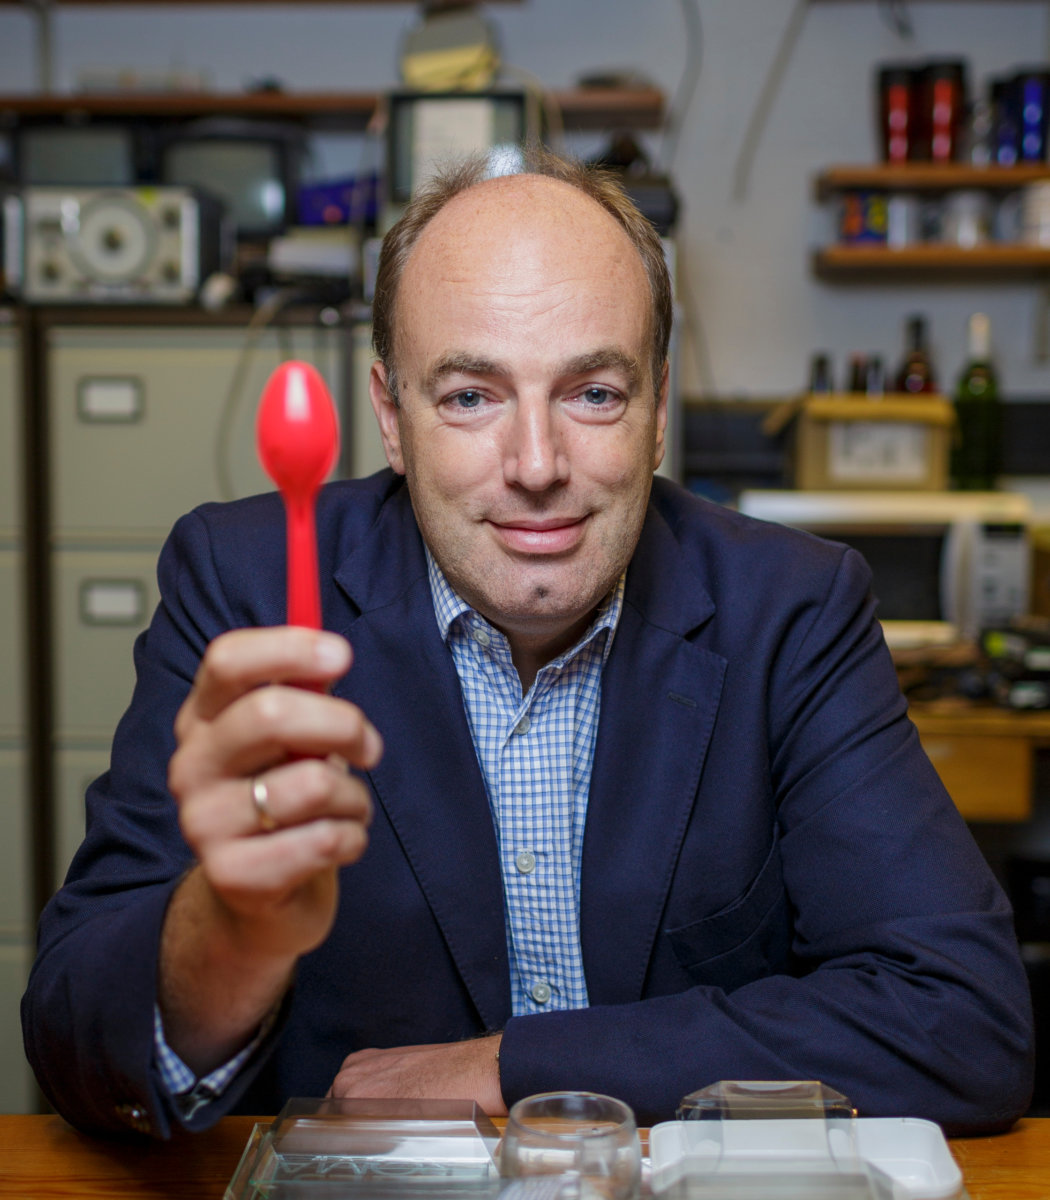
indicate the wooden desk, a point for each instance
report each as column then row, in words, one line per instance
column 984, row 756
column 44, row 1159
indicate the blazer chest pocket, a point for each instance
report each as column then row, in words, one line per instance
column 746, row 941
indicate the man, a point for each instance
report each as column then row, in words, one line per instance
column 634, row 804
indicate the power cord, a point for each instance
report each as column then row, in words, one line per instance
column 261, row 319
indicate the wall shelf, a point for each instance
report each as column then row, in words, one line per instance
column 167, row 3
column 581, row 108
column 874, row 261
column 927, row 177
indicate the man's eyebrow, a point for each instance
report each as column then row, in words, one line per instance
column 460, row 363
column 606, row 359
column 603, row 359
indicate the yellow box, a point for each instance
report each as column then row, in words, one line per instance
column 844, row 441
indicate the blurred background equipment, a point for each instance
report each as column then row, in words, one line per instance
column 114, row 245
column 252, row 166
column 451, row 48
column 425, row 128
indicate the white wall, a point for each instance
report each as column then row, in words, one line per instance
column 746, row 261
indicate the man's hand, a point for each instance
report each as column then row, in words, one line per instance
column 259, row 897
column 449, row 1071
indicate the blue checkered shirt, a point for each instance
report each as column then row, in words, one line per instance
column 190, row 1092
column 535, row 753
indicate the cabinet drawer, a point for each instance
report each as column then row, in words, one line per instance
column 10, row 439
column 103, row 599
column 17, row 1087
column 74, row 770
column 12, row 646
column 15, row 883
column 147, row 423
column 988, row 777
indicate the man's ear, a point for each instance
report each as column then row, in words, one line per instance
column 388, row 415
column 661, row 416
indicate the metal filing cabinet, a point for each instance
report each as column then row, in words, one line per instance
column 145, row 423
column 16, row 933
column 75, row 768
column 102, row 598
column 148, row 422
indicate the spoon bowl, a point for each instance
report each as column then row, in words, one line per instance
column 297, row 438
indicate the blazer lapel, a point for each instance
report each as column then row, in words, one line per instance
column 660, row 697
column 428, row 782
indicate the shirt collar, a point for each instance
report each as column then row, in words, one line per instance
column 449, row 608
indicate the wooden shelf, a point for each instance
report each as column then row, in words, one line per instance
column 604, row 108
column 1007, row 260
column 581, row 108
column 927, row 177
column 167, row 3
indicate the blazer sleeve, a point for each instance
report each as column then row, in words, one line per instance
column 87, row 1013
column 903, row 987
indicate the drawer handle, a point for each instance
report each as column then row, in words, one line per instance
column 112, row 602
column 109, row 400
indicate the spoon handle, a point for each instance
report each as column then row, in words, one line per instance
column 304, row 591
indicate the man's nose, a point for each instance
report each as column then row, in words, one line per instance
column 534, row 454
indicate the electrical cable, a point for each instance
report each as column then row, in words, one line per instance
column 895, row 14
column 686, row 88
column 766, row 97
column 540, row 97
column 264, row 315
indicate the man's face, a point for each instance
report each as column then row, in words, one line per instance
column 528, row 428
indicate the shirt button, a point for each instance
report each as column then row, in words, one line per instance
column 523, row 726
column 135, row 1116
column 482, row 637
column 541, row 992
column 525, row 861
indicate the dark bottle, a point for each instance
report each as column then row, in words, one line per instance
column 977, row 441
column 820, row 373
column 875, row 377
column 916, row 374
column 857, row 377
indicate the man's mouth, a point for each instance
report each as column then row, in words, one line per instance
column 535, row 535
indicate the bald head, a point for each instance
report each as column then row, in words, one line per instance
column 554, row 197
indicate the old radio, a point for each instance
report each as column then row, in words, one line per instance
column 111, row 245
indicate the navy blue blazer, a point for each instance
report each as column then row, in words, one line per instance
column 775, row 884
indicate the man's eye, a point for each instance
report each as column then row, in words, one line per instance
column 468, row 399
column 597, row 395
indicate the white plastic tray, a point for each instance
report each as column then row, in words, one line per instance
column 912, row 1152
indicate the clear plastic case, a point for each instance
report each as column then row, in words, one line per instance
column 753, row 1140
column 370, row 1150
column 735, row 1140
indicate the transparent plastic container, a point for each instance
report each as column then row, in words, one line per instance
column 756, row 1140
column 370, row 1150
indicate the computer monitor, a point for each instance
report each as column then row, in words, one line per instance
column 252, row 168
column 426, row 128
column 94, row 155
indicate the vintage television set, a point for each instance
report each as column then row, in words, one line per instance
column 96, row 153
column 253, row 167
column 427, row 127
column 945, row 564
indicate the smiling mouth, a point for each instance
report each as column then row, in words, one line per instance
column 554, row 535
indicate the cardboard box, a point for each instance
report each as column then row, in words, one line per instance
column 897, row 441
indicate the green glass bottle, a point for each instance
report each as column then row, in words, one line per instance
column 977, row 440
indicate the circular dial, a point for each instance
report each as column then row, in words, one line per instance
column 114, row 239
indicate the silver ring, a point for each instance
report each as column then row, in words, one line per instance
column 261, row 804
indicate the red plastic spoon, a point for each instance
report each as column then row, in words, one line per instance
column 297, row 436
